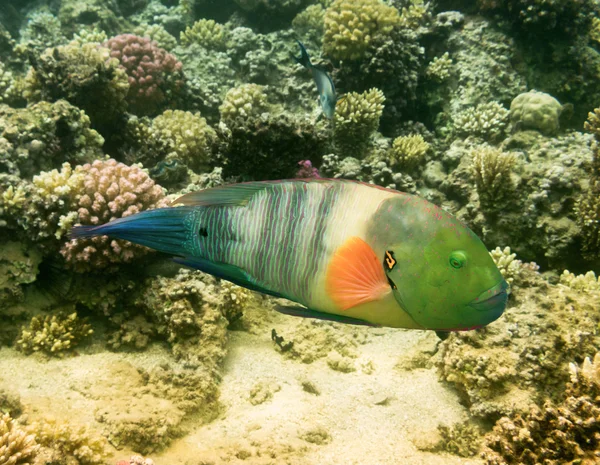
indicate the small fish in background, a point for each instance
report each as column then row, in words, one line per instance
column 325, row 87
column 347, row 251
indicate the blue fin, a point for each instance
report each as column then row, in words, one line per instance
column 163, row 229
column 303, row 59
column 228, row 272
column 304, row 312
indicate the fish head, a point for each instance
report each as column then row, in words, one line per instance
column 442, row 274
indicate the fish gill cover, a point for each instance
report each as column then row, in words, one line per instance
column 488, row 109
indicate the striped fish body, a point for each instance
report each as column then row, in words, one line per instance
column 358, row 252
column 286, row 235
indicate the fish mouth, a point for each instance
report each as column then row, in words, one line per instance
column 493, row 300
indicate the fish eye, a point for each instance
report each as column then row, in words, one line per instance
column 457, row 259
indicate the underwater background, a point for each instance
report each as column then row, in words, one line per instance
column 111, row 354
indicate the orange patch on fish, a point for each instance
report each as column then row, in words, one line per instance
column 355, row 275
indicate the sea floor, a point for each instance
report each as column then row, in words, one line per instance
column 274, row 409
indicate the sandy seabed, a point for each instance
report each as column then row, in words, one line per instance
column 380, row 415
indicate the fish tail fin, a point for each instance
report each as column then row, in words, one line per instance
column 303, row 59
column 163, row 229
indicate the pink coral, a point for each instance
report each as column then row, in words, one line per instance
column 155, row 75
column 307, row 170
column 111, row 190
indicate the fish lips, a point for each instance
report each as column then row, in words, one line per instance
column 493, row 301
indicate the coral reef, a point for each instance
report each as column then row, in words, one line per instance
column 53, row 334
column 245, row 101
column 109, row 190
column 522, row 359
column 356, row 119
column 408, row 152
column 492, row 171
column 84, row 75
column 514, row 271
column 45, row 135
column 563, row 433
column 155, row 76
column 187, row 135
column 63, row 443
column 206, row 33
column 350, row 26
column 536, row 110
column 487, row 121
column 270, row 146
column 16, row 446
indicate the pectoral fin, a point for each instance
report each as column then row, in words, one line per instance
column 355, row 275
column 294, row 310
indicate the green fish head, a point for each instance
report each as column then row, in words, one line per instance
column 445, row 278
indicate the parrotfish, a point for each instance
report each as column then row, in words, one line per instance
column 325, row 86
column 345, row 251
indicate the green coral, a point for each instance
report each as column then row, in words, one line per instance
column 409, row 152
column 85, row 75
column 157, row 33
column 356, row 119
column 245, row 101
column 492, row 170
column 9, row 88
column 536, row 110
column 583, row 282
column 53, row 334
column 440, row 68
column 310, row 23
column 43, row 30
column 207, row 33
column 487, row 121
column 351, row 26
column 43, row 136
column 186, row 134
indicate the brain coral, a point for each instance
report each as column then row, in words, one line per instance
column 351, row 26
column 110, row 190
column 536, row 110
column 155, row 76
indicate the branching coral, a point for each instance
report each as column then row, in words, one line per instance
column 43, row 136
column 584, row 282
column 408, row 152
column 310, row 23
column 243, row 102
column 186, row 134
column 487, row 121
column 356, row 119
column 492, row 171
column 8, row 87
column 63, row 443
column 351, row 26
column 157, row 33
column 207, row 33
column 84, row 75
column 17, row 447
column 155, row 76
column 110, row 190
column 536, row 110
column 553, row 434
column 440, row 68
column 512, row 270
column 53, row 334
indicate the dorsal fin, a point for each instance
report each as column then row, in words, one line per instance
column 240, row 194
